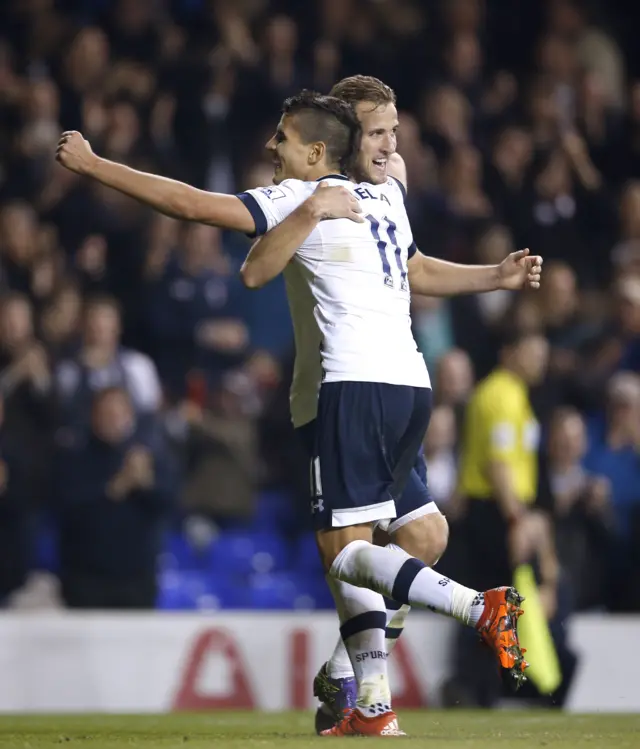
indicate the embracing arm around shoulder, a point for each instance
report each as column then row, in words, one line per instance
column 271, row 254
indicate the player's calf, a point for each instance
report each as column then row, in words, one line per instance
column 363, row 622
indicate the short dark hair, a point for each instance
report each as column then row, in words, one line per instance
column 329, row 120
column 358, row 88
column 108, row 392
column 102, row 300
column 15, row 297
column 513, row 335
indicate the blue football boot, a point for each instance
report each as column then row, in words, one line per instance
column 338, row 698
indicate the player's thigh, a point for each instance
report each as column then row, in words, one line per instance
column 424, row 537
column 331, row 541
column 419, row 528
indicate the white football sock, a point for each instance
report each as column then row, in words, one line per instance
column 396, row 615
column 339, row 665
column 397, row 575
column 362, row 616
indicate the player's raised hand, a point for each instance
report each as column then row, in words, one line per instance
column 74, row 152
column 336, row 202
column 520, row 270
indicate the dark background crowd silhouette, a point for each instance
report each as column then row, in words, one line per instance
column 146, row 455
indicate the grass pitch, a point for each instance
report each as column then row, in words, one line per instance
column 236, row 730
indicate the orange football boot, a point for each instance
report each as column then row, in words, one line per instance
column 357, row 724
column 498, row 628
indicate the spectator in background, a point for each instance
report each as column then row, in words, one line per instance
column 599, row 123
column 613, row 454
column 102, row 363
column 629, row 311
column 596, row 51
column 91, row 264
column 16, row 510
column 468, row 206
column 85, row 66
column 60, row 321
column 568, row 332
column 568, row 209
column 627, row 152
column 19, row 246
column 194, row 309
column 507, row 171
column 446, row 119
column 26, row 387
column 477, row 318
column 41, row 129
column 440, row 454
column 221, row 444
column 626, row 253
column 432, row 328
column 454, row 383
column 463, row 63
column 114, row 490
column 618, row 345
column 582, row 511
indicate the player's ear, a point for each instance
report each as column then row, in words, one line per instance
column 317, row 152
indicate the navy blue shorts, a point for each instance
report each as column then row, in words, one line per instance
column 366, row 460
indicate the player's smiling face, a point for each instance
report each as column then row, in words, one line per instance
column 290, row 154
column 379, row 126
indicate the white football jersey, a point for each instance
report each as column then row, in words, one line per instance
column 348, row 291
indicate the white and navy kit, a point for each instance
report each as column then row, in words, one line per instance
column 361, row 393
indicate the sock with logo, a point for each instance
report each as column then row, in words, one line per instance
column 405, row 579
column 363, row 622
column 339, row 665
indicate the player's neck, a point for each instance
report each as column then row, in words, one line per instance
column 324, row 170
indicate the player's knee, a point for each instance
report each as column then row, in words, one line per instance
column 332, row 541
column 425, row 538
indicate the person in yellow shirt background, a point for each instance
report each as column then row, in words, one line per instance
column 500, row 524
column 498, row 479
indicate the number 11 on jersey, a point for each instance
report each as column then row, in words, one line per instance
column 382, row 249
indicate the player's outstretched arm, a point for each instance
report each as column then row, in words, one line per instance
column 430, row 276
column 270, row 255
column 175, row 199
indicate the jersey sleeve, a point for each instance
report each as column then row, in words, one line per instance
column 269, row 206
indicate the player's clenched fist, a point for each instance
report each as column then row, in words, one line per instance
column 74, row 153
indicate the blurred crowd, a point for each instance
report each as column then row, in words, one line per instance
column 144, row 390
